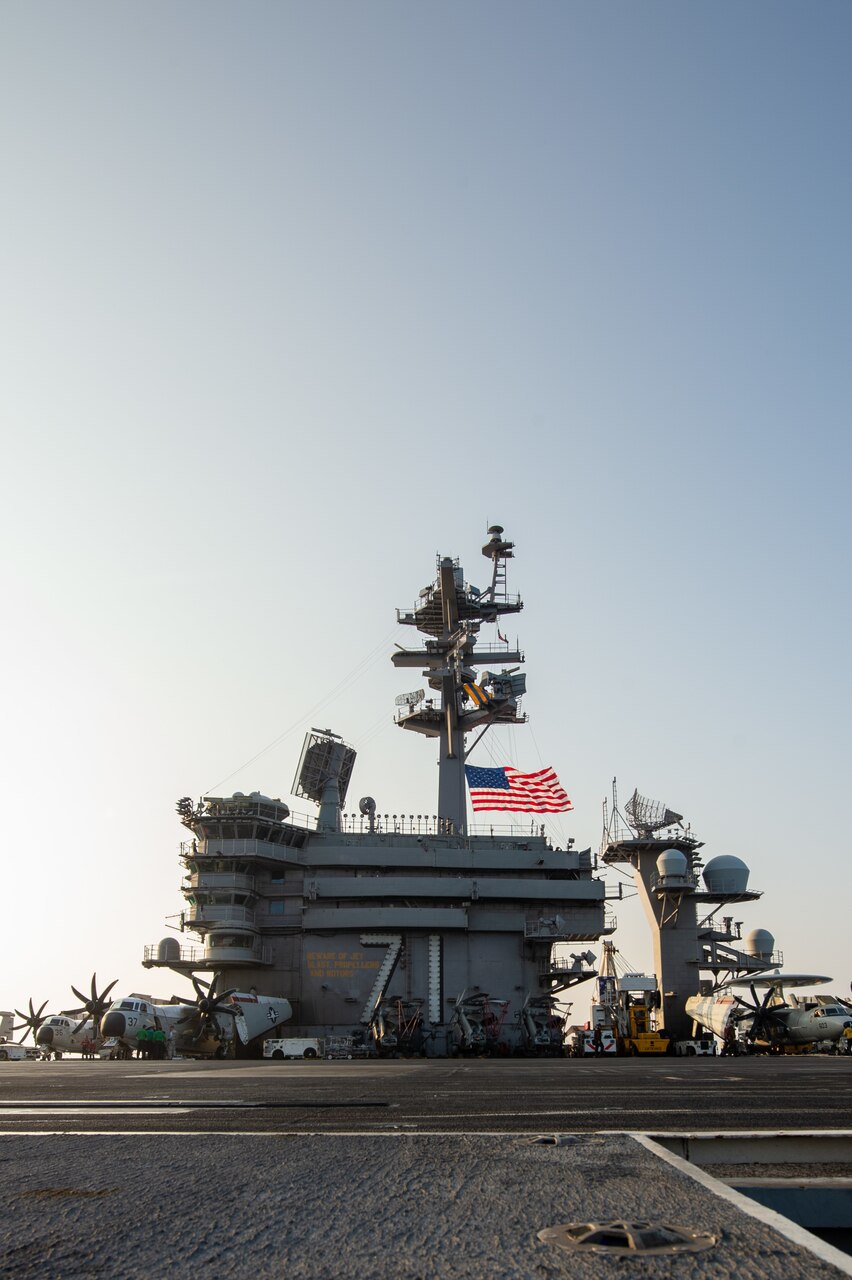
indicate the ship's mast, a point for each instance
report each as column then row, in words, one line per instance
column 450, row 612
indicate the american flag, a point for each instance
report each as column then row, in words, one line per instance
column 516, row 792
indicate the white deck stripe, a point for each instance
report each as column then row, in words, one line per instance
column 784, row 1226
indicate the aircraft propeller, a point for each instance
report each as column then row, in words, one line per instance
column 764, row 1017
column 93, row 1007
column 33, row 1022
column 207, row 1005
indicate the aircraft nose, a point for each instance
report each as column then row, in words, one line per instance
column 45, row 1035
column 114, row 1024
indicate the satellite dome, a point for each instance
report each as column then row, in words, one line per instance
column 672, row 862
column 168, row 949
column 760, row 943
column 726, row 874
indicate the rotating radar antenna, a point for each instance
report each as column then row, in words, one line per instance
column 647, row 816
column 325, row 758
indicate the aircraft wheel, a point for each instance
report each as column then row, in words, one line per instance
column 4, row 1056
column 309, row 1052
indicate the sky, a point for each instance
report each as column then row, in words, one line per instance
column 296, row 298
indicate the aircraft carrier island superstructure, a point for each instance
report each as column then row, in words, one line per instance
column 399, row 933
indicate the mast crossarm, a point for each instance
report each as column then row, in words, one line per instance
column 478, row 657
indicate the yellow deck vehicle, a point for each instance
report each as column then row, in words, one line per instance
column 641, row 1036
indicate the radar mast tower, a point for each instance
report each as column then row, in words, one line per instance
column 450, row 612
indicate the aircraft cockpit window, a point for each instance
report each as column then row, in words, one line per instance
column 127, row 1004
column 830, row 1011
column 143, row 1008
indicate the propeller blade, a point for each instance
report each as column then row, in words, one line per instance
column 69, row 1013
column 94, row 988
column 107, row 990
column 78, row 1026
column 79, row 995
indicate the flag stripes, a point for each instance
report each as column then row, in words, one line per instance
column 510, row 790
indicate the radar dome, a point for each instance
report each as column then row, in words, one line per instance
column 168, row 950
column 760, row 943
column 672, row 862
column 726, row 874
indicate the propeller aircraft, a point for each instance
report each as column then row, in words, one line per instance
column 208, row 1026
column 771, row 1020
column 32, row 1022
column 66, row 1032
column 60, row 1034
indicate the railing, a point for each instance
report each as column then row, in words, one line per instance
column 219, row 880
column 211, row 914
column 178, row 955
column 226, row 847
column 409, row 824
column 557, row 929
column 717, row 953
column 689, row 880
column 260, row 953
column 208, row 957
column 430, row 824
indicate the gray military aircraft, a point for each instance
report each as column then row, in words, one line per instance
column 773, row 1020
column 206, row 1027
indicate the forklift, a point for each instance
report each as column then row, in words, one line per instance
column 628, row 1004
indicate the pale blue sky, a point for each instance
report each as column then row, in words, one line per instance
column 294, row 297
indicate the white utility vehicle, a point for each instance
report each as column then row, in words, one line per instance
column 704, row 1046
column 11, row 1052
column 292, row 1047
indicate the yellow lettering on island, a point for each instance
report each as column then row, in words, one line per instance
column 341, row 964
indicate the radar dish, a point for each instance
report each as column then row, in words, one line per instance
column 325, row 757
column 647, row 816
column 410, row 699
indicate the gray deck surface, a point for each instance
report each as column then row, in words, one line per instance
column 397, row 1169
